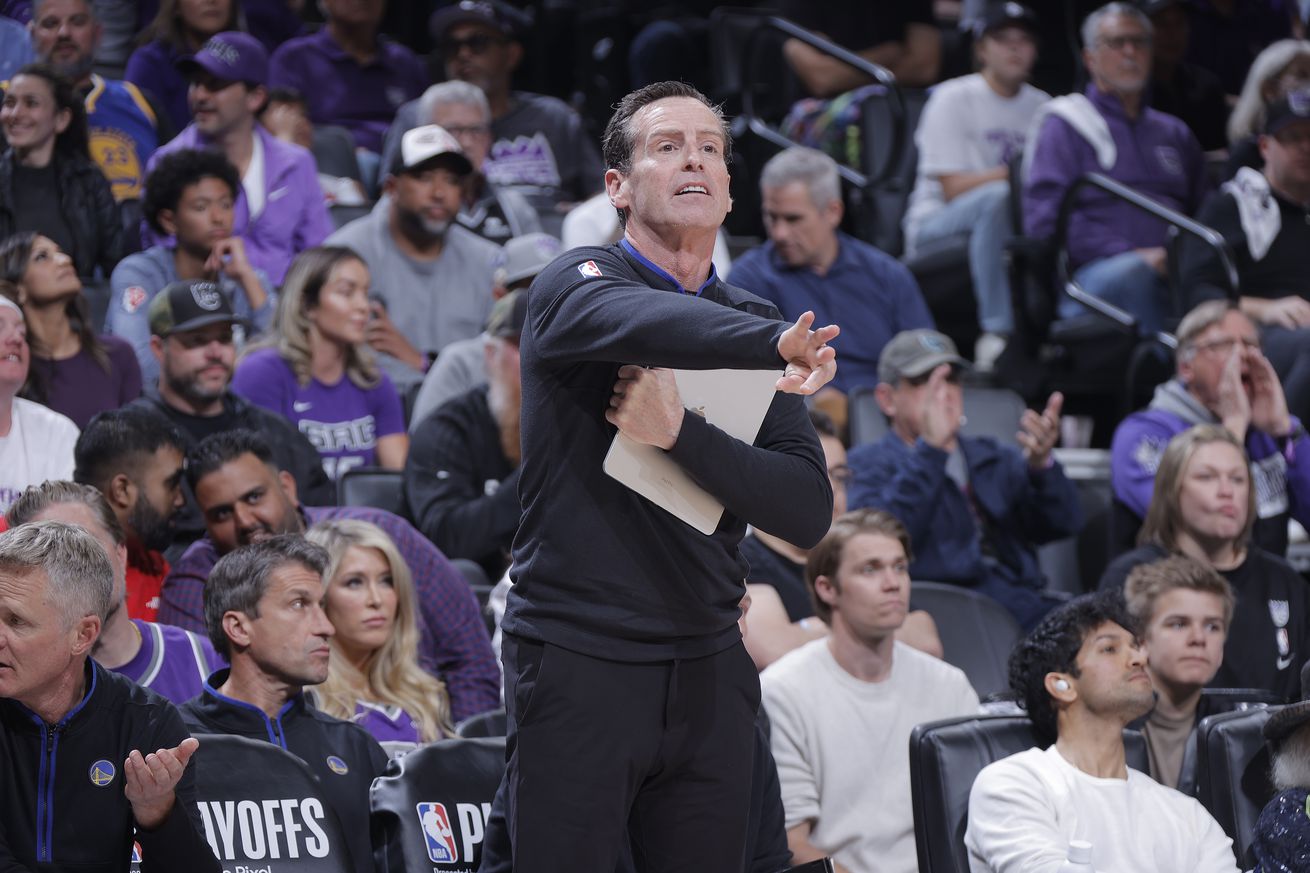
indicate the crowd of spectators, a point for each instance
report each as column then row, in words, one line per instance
column 248, row 247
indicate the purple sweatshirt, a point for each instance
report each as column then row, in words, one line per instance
column 1156, row 155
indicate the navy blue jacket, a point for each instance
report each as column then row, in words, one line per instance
column 1016, row 508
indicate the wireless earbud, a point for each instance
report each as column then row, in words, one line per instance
column 1061, row 685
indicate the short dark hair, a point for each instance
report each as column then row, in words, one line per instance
column 36, row 499
column 1053, row 646
column 240, row 578
column 620, row 139
column 117, row 440
column 285, row 95
column 217, row 449
column 823, row 424
column 825, row 558
column 179, row 170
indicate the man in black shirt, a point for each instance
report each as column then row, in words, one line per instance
column 901, row 36
column 631, row 699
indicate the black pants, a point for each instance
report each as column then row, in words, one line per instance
column 604, row 752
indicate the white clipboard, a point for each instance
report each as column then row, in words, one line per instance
column 734, row 401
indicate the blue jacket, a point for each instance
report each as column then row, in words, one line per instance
column 1016, row 508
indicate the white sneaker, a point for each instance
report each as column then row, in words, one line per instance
column 987, row 350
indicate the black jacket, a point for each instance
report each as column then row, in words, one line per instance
column 340, row 753
column 87, row 203
column 62, row 806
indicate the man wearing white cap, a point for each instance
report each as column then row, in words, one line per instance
column 431, row 277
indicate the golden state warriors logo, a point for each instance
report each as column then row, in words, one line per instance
column 336, row 765
column 115, row 153
column 102, row 773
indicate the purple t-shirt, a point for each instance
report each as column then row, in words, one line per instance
column 386, row 724
column 343, row 421
column 79, row 387
column 172, row 662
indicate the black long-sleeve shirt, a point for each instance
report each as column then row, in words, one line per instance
column 598, row 568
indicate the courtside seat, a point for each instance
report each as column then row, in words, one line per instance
column 977, row 633
column 1232, row 772
column 372, row 486
column 484, row 724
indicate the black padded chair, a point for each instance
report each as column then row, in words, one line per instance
column 977, row 632
column 1232, row 772
column 484, row 724
column 372, row 486
column 946, row 757
column 430, row 808
column 240, row 783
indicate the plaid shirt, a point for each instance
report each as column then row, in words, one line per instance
column 453, row 642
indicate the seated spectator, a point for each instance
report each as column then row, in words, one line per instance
column 125, row 125
column 1115, row 250
column 191, row 325
column 58, row 585
column 1082, row 676
column 286, row 116
column 461, row 366
column 902, row 37
column 48, row 182
column 74, row 371
column 36, row 443
column 541, row 146
column 1222, row 378
column 970, row 130
column 190, row 199
column 1180, row 88
column 280, row 209
column 264, row 614
column 15, row 48
column 317, row 371
column 431, row 277
column 1282, row 67
column 809, row 264
column 1280, row 840
column 1183, row 608
column 977, row 508
column 374, row 678
column 492, row 211
column 349, row 74
column 826, row 699
column 133, row 456
column 178, row 30
column 1263, row 216
column 1203, row 506
column 246, row 499
column 168, row 660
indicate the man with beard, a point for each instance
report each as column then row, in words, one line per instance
column 246, row 499
column 134, row 457
column 126, row 126
column 432, row 277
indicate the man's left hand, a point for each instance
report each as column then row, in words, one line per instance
column 1038, row 434
column 646, row 407
column 150, row 780
column 228, row 256
column 1268, row 403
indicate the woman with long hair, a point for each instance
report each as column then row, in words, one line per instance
column 1203, row 506
column 74, row 371
column 179, row 29
column 316, row 369
column 48, row 182
column 374, row 677
column 1282, row 67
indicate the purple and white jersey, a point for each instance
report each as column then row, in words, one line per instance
column 171, row 662
column 386, row 723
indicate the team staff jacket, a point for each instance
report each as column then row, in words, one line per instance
column 62, row 806
column 599, row 569
column 340, row 753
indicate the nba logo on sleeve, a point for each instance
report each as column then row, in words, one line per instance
column 589, row 269
column 437, row 833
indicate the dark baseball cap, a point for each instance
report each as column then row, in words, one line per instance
column 912, row 353
column 500, row 17
column 508, row 315
column 189, row 304
column 1290, row 109
column 231, row 56
column 998, row 15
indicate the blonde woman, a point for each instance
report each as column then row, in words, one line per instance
column 317, row 370
column 373, row 676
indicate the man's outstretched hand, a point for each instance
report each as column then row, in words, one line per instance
column 811, row 362
column 151, row 779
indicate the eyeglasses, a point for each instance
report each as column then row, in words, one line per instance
column 1224, row 347
column 477, row 43
column 1141, row 42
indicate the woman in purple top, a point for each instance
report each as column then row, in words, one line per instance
column 74, row 371
column 317, row 370
column 373, row 675
column 179, row 29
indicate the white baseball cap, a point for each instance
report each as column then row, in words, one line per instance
column 423, row 144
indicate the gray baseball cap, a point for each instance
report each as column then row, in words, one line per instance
column 912, row 353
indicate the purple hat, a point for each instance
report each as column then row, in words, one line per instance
column 231, row 56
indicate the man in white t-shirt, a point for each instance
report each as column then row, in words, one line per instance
column 1082, row 676
column 970, row 129
column 842, row 707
